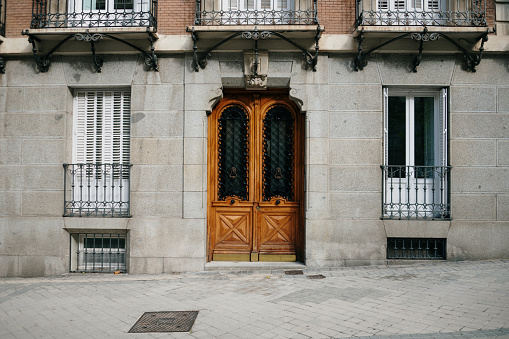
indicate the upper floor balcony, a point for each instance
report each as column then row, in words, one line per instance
column 93, row 14
column 447, row 13
column 256, row 12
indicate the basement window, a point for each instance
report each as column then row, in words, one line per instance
column 416, row 248
column 98, row 252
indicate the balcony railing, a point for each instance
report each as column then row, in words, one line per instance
column 256, row 12
column 93, row 13
column 96, row 190
column 415, row 192
column 421, row 13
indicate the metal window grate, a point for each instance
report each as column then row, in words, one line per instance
column 416, row 248
column 98, row 252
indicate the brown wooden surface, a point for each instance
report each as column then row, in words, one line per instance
column 248, row 230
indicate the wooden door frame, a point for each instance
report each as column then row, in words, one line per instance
column 251, row 105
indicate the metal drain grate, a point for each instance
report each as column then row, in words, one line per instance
column 175, row 321
column 317, row 276
column 294, row 272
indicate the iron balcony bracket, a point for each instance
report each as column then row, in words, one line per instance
column 2, row 65
column 472, row 60
column 43, row 62
column 311, row 58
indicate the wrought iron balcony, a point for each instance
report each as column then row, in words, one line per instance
column 415, row 192
column 96, row 190
column 256, row 12
column 93, row 13
column 452, row 13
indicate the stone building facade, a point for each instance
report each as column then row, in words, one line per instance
column 161, row 136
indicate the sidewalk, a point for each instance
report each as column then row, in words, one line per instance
column 432, row 300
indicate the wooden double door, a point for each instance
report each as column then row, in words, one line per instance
column 255, row 178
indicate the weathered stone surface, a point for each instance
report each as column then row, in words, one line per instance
column 317, row 206
column 355, row 178
column 480, row 179
column 111, row 225
column 318, row 151
column 44, row 265
column 355, row 98
column 157, row 124
column 195, row 205
column 483, row 125
column 473, row 98
column 24, row 72
column 416, row 228
column 163, row 178
column 478, row 240
column 194, row 178
column 11, row 99
column 194, row 151
column 503, row 99
column 11, row 178
column 317, row 176
column 45, row 203
column 47, row 177
column 43, row 151
column 117, row 70
column 317, row 124
column 139, row 265
column 51, row 125
column 46, row 99
column 171, row 71
column 355, row 206
column 148, row 151
column 10, row 203
column 180, row 264
column 157, row 97
column 156, row 204
column 473, row 152
column 355, row 125
column 355, row 152
column 10, row 150
column 489, row 71
column 503, row 207
column 503, row 153
column 474, row 206
column 341, row 71
column 9, row 266
column 195, row 124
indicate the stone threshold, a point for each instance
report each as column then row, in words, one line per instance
column 252, row 266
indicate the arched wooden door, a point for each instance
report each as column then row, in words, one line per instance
column 255, row 178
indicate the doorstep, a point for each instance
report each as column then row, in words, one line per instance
column 252, row 266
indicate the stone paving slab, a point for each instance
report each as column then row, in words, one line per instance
column 425, row 300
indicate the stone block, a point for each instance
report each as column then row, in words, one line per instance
column 148, row 151
column 43, row 151
column 482, row 125
column 157, row 97
column 355, row 206
column 195, row 205
column 355, row 152
column 10, row 203
column 171, row 71
column 48, row 177
column 503, row 153
column 195, row 124
column 355, row 98
column 397, row 69
column 487, row 72
column 146, row 265
column 317, row 206
column 8, row 266
column 211, row 74
column 24, row 72
column 304, row 76
column 194, row 176
column 157, row 124
column 478, row 240
column 473, row 99
column 33, row 236
column 165, row 237
column 156, row 204
column 503, row 99
column 178, row 265
column 46, row 99
column 416, row 228
column 49, row 203
column 10, row 150
column 39, row 266
column 118, row 70
column 355, row 178
column 317, row 176
column 503, row 207
column 11, row 178
column 335, row 241
column 474, row 207
column 317, row 124
column 163, row 178
column 341, row 71
column 310, row 97
column 473, row 152
column 11, row 99
column 318, row 154
column 202, row 97
column 33, row 125
column 195, row 151
column 480, row 179
column 356, row 125
column 97, row 225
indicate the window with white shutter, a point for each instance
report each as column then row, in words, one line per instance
column 415, row 157
column 99, row 176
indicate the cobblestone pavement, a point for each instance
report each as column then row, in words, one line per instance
column 433, row 300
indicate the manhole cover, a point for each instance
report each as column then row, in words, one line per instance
column 175, row 321
column 294, row 272
column 317, row 276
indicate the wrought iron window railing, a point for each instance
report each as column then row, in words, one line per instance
column 98, row 252
column 421, row 13
column 93, row 13
column 416, row 248
column 256, row 12
column 415, row 192
column 96, row 190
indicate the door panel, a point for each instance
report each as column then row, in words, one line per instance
column 255, row 178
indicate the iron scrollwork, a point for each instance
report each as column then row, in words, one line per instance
column 91, row 38
column 233, row 152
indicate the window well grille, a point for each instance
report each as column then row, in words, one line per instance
column 98, row 252
column 416, row 248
